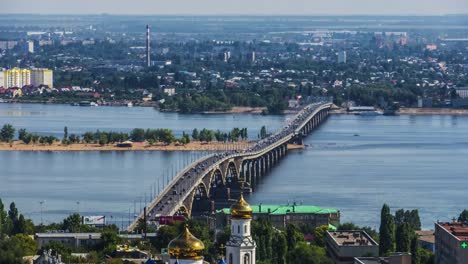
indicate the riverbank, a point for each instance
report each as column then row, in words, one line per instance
column 136, row 146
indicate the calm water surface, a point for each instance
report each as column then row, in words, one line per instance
column 352, row 163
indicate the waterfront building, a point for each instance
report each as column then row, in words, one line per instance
column 451, row 243
column 240, row 249
column 41, row 76
column 282, row 215
column 462, row 92
column 16, row 77
column 69, row 239
column 186, row 249
column 344, row 246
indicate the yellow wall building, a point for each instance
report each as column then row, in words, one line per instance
column 17, row 77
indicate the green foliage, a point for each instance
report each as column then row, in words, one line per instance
column 26, row 243
column 7, row 133
column 195, row 134
column 403, row 237
column 262, row 233
column 387, row 231
column 10, row 251
column 320, row 235
column 137, row 135
column 279, row 248
column 263, row 132
column 308, row 254
column 426, row 256
column 410, row 217
column 293, row 236
column 72, row 223
column 463, row 217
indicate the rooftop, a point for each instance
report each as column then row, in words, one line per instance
column 457, row 229
column 352, row 238
column 286, row 209
column 426, row 236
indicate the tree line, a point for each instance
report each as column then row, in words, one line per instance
column 398, row 234
column 152, row 136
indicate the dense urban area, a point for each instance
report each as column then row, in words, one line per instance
column 262, row 65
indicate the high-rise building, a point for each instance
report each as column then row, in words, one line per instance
column 241, row 247
column 41, row 76
column 451, row 243
column 31, row 46
column 148, row 57
column 342, row 57
column 16, row 77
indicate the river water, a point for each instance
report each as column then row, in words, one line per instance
column 351, row 163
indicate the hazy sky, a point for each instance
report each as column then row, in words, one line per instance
column 248, row 7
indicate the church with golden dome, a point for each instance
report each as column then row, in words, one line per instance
column 186, row 249
column 240, row 249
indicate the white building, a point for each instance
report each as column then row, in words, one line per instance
column 41, row 76
column 240, row 249
column 30, row 46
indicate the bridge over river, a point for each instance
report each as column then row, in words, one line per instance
column 213, row 181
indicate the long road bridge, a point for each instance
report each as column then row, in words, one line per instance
column 212, row 181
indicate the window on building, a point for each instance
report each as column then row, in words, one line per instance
column 230, row 258
column 245, row 228
column 247, row 258
column 238, row 229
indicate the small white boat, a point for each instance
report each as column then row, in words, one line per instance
column 129, row 104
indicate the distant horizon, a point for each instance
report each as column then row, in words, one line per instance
column 237, row 15
column 239, row 7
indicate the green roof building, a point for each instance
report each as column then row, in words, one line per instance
column 281, row 215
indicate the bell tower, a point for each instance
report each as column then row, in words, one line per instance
column 240, row 249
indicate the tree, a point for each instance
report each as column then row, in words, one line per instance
column 305, row 254
column 463, row 217
column 26, row 243
column 138, row 135
column 72, row 223
column 263, row 132
column 7, row 133
column 195, row 134
column 280, row 248
column 387, row 231
column 10, row 252
column 3, row 220
column 416, row 259
column 88, row 137
column 22, row 134
column 293, row 236
column 65, row 136
column 403, row 237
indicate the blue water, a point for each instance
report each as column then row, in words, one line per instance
column 352, row 163
column 406, row 161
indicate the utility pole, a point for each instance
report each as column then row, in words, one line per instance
column 42, row 202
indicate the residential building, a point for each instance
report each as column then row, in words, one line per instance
column 30, row 46
column 451, row 243
column 427, row 239
column 342, row 57
column 344, row 246
column 282, row 215
column 8, row 44
column 41, row 76
column 395, row 258
column 16, row 77
column 70, row 239
column 462, row 92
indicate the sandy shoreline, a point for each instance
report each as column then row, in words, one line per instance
column 137, row 146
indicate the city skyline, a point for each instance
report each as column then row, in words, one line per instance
column 257, row 7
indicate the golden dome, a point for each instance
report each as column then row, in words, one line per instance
column 241, row 209
column 186, row 246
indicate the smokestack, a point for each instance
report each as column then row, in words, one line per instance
column 148, row 58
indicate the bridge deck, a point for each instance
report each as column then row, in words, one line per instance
column 184, row 183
